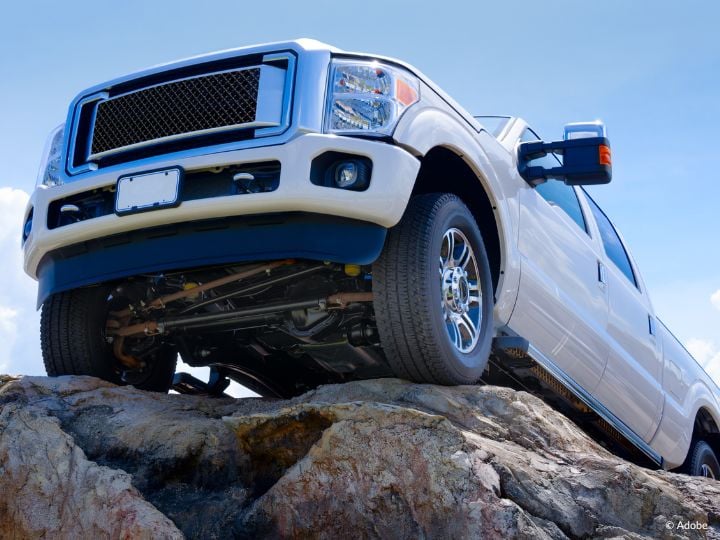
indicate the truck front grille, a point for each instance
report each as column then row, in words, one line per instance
column 213, row 106
column 191, row 106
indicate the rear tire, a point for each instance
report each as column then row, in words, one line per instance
column 72, row 338
column 431, row 329
column 701, row 461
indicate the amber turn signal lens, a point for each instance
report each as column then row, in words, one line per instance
column 406, row 94
column 605, row 155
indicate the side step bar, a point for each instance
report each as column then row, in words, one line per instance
column 517, row 353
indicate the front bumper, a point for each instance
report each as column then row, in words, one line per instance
column 383, row 203
column 229, row 240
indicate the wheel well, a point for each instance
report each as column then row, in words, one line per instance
column 442, row 170
column 706, row 429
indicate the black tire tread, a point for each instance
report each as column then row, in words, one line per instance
column 406, row 337
column 64, row 333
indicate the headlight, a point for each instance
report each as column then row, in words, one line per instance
column 51, row 164
column 367, row 97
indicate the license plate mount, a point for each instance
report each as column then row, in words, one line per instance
column 146, row 191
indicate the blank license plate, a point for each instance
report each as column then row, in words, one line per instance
column 147, row 191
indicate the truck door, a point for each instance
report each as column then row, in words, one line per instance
column 631, row 387
column 562, row 305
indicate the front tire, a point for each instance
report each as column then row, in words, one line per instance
column 433, row 294
column 73, row 341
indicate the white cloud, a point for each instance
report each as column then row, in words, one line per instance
column 7, row 320
column 715, row 299
column 8, row 333
column 19, row 322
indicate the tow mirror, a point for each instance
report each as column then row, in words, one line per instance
column 585, row 154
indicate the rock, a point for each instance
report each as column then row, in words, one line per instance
column 81, row 458
column 49, row 488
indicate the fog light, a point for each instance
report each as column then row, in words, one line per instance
column 27, row 228
column 346, row 174
column 341, row 171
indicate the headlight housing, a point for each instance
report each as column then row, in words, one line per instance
column 51, row 163
column 367, row 97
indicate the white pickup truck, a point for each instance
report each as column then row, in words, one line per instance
column 292, row 214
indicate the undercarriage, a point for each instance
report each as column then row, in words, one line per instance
column 278, row 328
column 421, row 309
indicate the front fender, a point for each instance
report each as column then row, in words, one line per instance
column 431, row 124
column 674, row 435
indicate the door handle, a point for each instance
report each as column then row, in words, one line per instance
column 602, row 276
column 651, row 325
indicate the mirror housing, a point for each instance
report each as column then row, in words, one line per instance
column 585, row 161
column 582, row 130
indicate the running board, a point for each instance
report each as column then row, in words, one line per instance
column 518, row 353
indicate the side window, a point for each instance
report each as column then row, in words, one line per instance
column 560, row 194
column 613, row 246
column 556, row 192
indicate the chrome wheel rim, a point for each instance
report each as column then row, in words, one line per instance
column 706, row 471
column 461, row 297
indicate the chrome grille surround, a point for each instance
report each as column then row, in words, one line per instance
column 225, row 100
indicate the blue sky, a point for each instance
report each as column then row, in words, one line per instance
column 650, row 70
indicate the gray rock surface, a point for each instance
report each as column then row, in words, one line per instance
column 81, row 458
